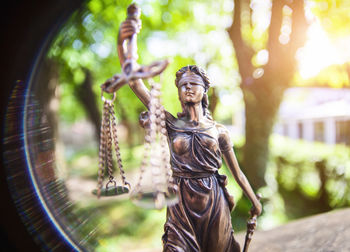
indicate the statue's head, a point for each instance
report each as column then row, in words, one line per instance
column 195, row 70
column 193, row 84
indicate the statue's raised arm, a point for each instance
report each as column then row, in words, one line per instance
column 133, row 73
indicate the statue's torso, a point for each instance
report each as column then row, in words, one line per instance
column 195, row 151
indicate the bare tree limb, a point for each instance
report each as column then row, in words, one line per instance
column 274, row 47
column 88, row 100
column 299, row 26
column 244, row 53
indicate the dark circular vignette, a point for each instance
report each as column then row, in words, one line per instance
column 28, row 27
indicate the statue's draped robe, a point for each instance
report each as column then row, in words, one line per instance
column 201, row 220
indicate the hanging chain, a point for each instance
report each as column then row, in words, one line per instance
column 161, row 127
column 159, row 164
column 102, row 151
column 165, row 151
column 145, row 159
column 154, row 121
column 149, row 140
column 108, row 136
column 164, row 141
column 109, row 144
column 116, row 146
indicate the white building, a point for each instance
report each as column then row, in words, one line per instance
column 315, row 114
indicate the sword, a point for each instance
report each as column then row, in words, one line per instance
column 130, row 69
column 251, row 225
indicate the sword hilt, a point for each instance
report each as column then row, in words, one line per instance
column 251, row 225
column 134, row 13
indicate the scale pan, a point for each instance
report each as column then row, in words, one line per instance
column 112, row 191
column 154, row 200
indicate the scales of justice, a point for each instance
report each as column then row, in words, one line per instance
column 182, row 154
column 160, row 192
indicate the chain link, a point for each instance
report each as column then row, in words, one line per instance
column 147, row 149
column 149, row 140
column 154, row 119
column 109, row 143
column 116, row 146
column 102, row 153
column 156, row 142
column 108, row 135
column 165, row 150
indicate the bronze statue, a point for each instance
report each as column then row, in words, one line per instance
column 201, row 220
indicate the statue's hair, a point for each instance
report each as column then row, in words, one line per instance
column 200, row 72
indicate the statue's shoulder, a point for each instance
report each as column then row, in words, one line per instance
column 171, row 121
column 222, row 129
column 169, row 117
column 224, row 137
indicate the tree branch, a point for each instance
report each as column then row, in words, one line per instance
column 299, row 26
column 274, row 47
column 87, row 98
column 244, row 53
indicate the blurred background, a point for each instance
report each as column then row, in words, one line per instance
column 280, row 73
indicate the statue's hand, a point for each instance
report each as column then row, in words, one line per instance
column 128, row 28
column 144, row 120
column 256, row 208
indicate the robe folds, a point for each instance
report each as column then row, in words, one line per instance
column 201, row 220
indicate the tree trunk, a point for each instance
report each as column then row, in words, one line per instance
column 261, row 106
column 128, row 126
column 263, row 95
column 87, row 98
column 213, row 101
column 255, row 151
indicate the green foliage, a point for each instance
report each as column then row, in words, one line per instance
column 314, row 175
column 303, row 178
column 334, row 16
column 184, row 33
column 335, row 76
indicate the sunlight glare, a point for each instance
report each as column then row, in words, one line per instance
column 318, row 53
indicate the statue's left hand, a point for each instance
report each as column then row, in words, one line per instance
column 256, row 208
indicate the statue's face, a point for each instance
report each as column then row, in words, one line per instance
column 191, row 88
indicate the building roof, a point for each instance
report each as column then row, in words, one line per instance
column 315, row 103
